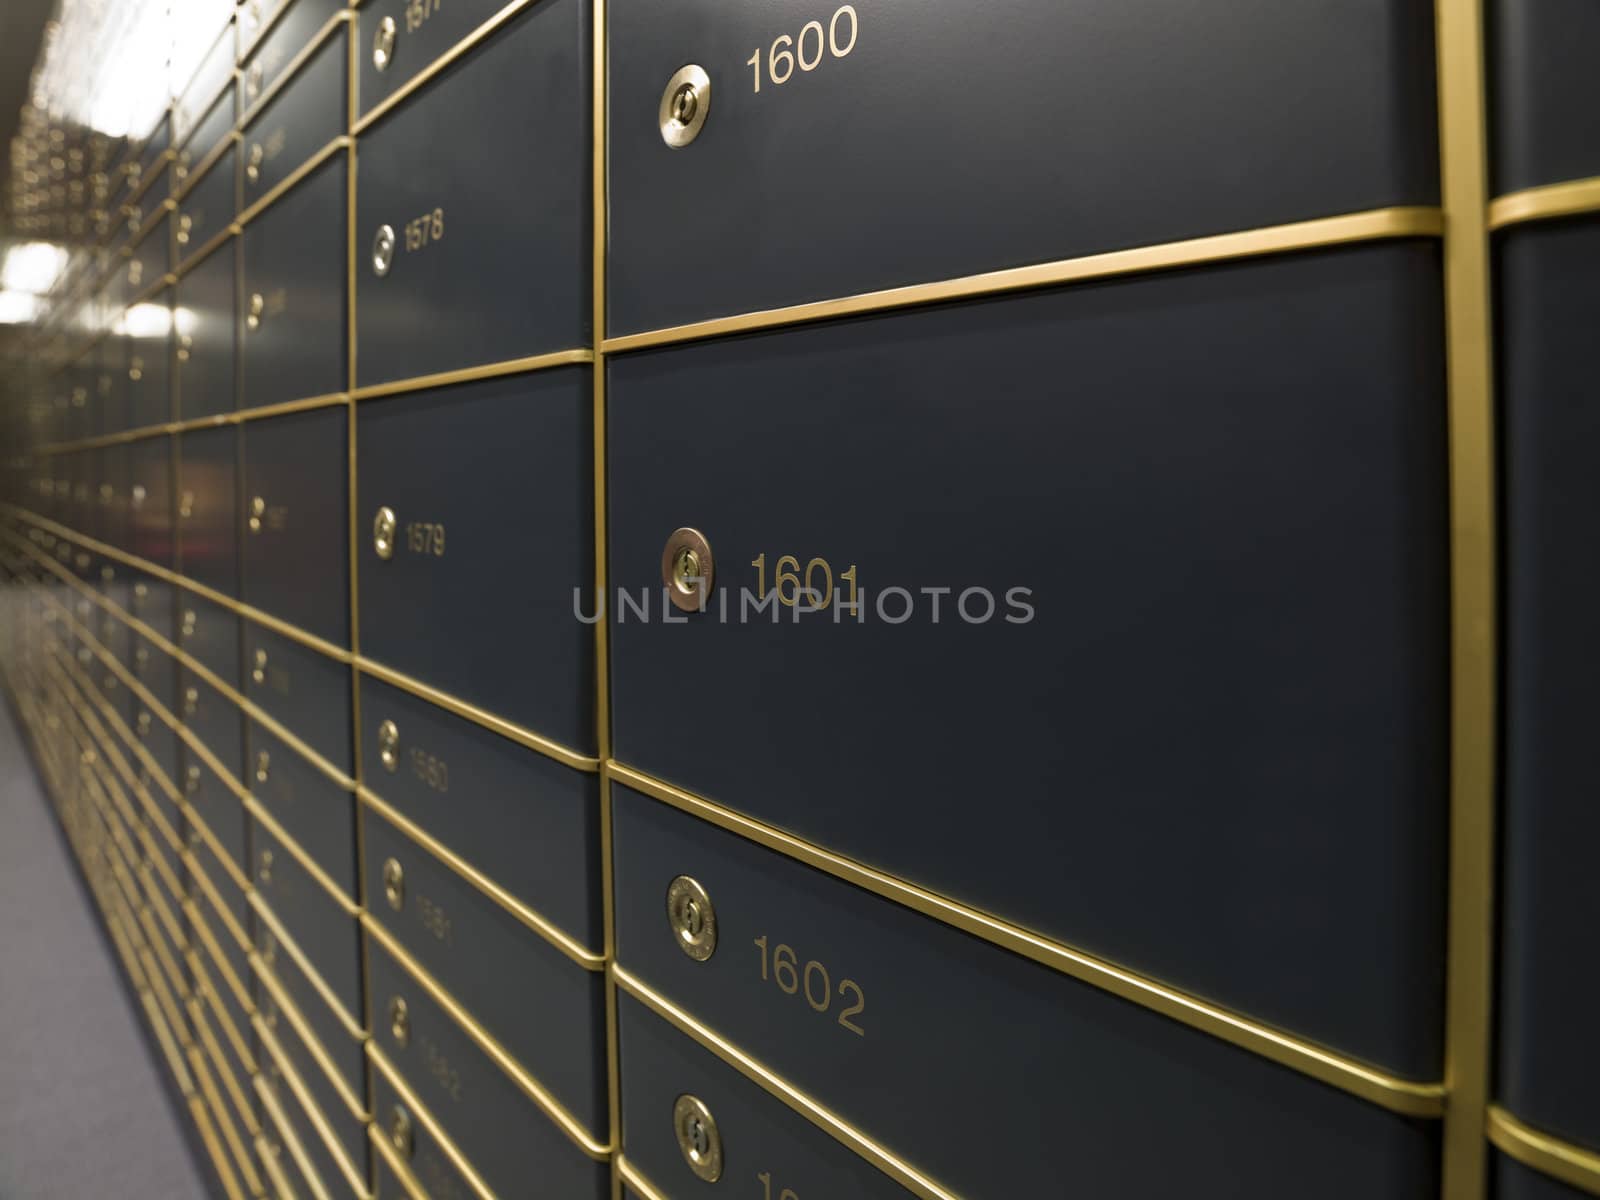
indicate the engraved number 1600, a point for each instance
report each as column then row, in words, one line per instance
column 809, row 47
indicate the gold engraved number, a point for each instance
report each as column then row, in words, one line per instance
column 809, row 48
column 766, row 1189
column 418, row 11
column 431, row 770
column 429, row 227
column 815, row 585
column 425, row 537
column 439, row 1067
column 433, row 919
column 812, row 980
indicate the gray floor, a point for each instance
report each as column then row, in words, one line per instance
column 85, row 1109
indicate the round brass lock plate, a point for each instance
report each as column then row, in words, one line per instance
column 383, row 44
column 383, row 250
column 383, row 527
column 400, row 1136
column 389, row 745
column 265, row 873
column 684, row 105
column 263, row 762
column 698, row 1138
column 258, row 673
column 693, row 920
column 258, row 305
column 399, row 1020
column 394, row 884
column 688, row 570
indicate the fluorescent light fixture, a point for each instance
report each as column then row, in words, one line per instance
column 147, row 320
column 18, row 308
column 32, row 267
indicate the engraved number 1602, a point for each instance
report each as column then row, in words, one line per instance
column 809, row 47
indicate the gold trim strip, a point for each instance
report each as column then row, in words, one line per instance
column 513, row 366
column 313, row 1044
column 312, row 975
column 320, row 1121
column 1474, row 722
column 519, row 1075
column 320, row 877
column 207, row 161
column 823, row 1118
column 1575, row 1166
column 274, row 1170
column 292, row 68
column 546, row 929
column 400, row 1170
column 239, row 1102
column 1321, row 233
column 299, row 173
column 427, row 73
column 162, row 1001
column 208, row 991
column 187, row 265
column 208, row 1135
column 1569, row 198
column 1398, row 1095
column 271, row 1107
column 632, row 1176
column 426, row 1119
column 148, row 178
column 479, row 716
column 224, row 1120
column 229, row 921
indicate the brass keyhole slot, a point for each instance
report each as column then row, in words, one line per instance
column 688, row 569
column 698, row 1138
column 692, row 918
column 389, row 745
column 383, row 527
column 394, row 884
column 399, row 1021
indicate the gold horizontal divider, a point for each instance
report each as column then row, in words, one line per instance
column 207, row 938
column 1569, row 198
column 255, row 615
column 148, row 178
column 273, row 1111
column 264, row 817
column 424, row 1117
column 206, row 989
column 636, row 1181
column 334, row 147
column 290, row 1011
column 398, row 1167
column 205, row 1000
column 829, row 1122
column 208, row 1137
column 144, row 295
column 479, row 716
column 282, row 1189
column 205, row 250
column 1576, row 1166
column 422, row 77
column 510, row 366
column 243, row 49
column 292, row 68
column 535, row 1091
column 526, row 915
column 286, row 942
column 223, row 1118
column 208, row 160
column 1321, row 233
column 1402, row 1096
column 320, row 1121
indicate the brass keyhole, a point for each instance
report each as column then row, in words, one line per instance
column 258, row 673
column 258, row 306
column 399, row 1021
column 389, row 745
column 400, row 1135
column 383, row 44
column 263, row 762
column 258, row 509
column 698, row 1138
column 265, row 873
column 688, row 569
column 394, row 884
column 684, row 103
column 692, row 918
column 383, row 527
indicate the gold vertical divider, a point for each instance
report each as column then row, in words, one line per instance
column 602, row 642
column 1473, row 758
column 352, row 103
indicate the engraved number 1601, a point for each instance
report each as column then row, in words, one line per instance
column 809, row 47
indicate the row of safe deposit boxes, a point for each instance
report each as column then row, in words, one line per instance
column 949, row 696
